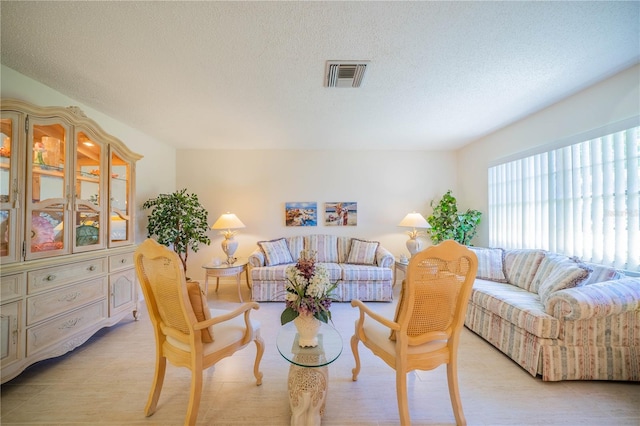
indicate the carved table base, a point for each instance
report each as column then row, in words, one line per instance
column 308, row 388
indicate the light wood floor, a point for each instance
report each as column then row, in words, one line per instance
column 107, row 380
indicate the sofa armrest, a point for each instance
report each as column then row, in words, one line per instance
column 595, row 300
column 256, row 259
column 384, row 258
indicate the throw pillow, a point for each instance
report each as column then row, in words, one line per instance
column 490, row 264
column 567, row 276
column 549, row 264
column 362, row 252
column 399, row 308
column 200, row 308
column 276, row 252
column 600, row 273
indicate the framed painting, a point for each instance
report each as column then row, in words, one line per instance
column 343, row 213
column 301, row 214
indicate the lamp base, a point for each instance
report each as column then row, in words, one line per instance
column 229, row 246
column 414, row 246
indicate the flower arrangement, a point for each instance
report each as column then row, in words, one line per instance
column 308, row 289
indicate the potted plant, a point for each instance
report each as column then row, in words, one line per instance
column 447, row 224
column 179, row 221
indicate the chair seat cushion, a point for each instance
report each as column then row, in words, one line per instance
column 378, row 335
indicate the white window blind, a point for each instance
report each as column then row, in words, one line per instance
column 579, row 200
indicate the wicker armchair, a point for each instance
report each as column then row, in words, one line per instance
column 429, row 317
column 187, row 333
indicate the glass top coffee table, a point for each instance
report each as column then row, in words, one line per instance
column 308, row 373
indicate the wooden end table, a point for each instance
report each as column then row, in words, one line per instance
column 400, row 266
column 225, row 270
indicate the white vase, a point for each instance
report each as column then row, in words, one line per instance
column 307, row 326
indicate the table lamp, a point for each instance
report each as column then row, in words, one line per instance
column 228, row 221
column 414, row 220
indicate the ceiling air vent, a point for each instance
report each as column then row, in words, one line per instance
column 345, row 73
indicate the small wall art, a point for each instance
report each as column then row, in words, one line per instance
column 343, row 213
column 301, row 214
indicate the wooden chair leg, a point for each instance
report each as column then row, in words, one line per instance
column 256, row 365
column 156, row 386
column 356, row 356
column 403, row 402
column 195, row 394
column 454, row 392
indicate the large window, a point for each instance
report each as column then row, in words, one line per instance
column 581, row 200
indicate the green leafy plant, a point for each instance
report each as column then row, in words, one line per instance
column 448, row 224
column 179, row 221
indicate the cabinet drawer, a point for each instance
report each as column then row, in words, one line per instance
column 11, row 287
column 44, row 279
column 119, row 262
column 47, row 305
column 64, row 327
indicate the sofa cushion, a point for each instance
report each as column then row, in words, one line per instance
column 490, row 264
column 325, row 246
column 561, row 278
column 279, row 272
column 365, row 273
column 200, row 308
column 516, row 305
column 276, row 252
column 344, row 244
column 520, row 266
column 296, row 245
column 270, row 273
column 362, row 252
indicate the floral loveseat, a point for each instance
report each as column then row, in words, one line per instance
column 363, row 269
column 557, row 317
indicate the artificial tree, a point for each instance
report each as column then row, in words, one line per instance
column 179, row 221
column 447, row 224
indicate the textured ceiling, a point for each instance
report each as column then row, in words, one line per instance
column 249, row 75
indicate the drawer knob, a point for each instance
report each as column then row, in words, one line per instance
column 50, row 277
column 123, row 260
column 92, row 267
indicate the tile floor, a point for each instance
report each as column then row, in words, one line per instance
column 106, row 381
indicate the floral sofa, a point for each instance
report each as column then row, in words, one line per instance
column 363, row 269
column 557, row 317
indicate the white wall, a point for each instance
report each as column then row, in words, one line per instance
column 256, row 184
column 608, row 102
column 155, row 172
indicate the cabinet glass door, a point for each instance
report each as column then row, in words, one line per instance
column 90, row 192
column 10, row 190
column 48, row 191
column 120, row 218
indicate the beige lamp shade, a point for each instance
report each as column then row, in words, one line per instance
column 415, row 221
column 227, row 222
